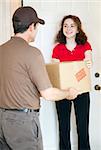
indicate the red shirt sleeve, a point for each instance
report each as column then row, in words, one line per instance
column 55, row 53
column 87, row 46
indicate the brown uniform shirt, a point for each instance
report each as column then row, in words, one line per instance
column 22, row 75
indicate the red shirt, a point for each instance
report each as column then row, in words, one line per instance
column 61, row 52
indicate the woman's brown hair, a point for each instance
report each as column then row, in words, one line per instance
column 81, row 37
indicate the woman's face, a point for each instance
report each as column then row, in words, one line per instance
column 70, row 28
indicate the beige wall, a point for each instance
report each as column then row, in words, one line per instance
column 7, row 7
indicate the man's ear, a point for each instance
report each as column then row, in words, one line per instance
column 31, row 27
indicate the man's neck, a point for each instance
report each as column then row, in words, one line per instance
column 23, row 36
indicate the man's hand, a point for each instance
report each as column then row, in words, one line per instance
column 72, row 93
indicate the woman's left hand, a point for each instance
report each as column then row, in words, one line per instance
column 88, row 58
column 88, row 63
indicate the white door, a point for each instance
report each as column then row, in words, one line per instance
column 89, row 12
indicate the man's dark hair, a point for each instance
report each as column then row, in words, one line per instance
column 23, row 17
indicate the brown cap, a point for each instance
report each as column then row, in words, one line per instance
column 26, row 15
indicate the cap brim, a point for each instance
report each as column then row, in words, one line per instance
column 41, row 21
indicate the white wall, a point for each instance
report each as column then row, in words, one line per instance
column 89, row 12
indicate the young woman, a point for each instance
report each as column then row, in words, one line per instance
column 72, row 45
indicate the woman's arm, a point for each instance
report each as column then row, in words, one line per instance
column 55, row 60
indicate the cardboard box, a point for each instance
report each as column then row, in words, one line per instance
column 70, row 74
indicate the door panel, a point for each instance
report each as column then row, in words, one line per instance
column 90, row 15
